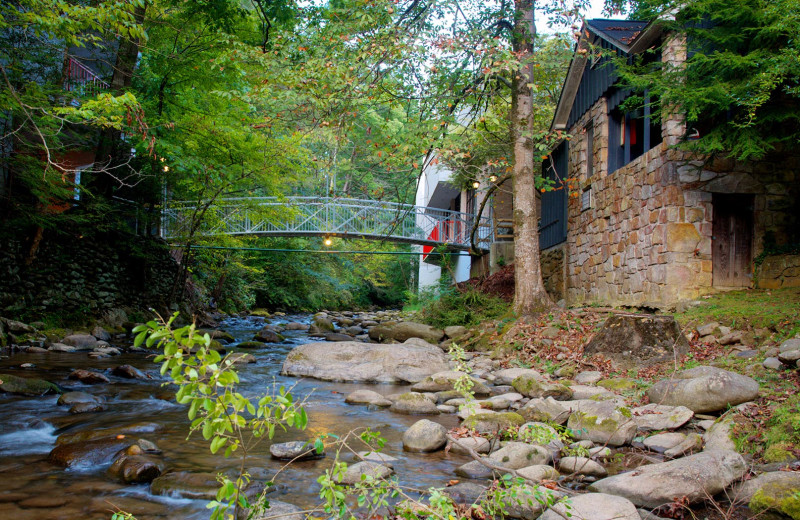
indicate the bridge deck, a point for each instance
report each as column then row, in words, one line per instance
column 328, row 216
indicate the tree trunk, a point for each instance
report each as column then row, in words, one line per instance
column 529, row 293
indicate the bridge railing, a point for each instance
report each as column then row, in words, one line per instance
column 320, row 216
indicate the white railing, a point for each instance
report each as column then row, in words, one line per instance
column 327, row 216
column 81, row 79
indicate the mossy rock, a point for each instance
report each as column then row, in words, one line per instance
column 263, row 313
column 529, row 386
column 779, row 452
column 251, row 344
column 493, row 422
column 777, row 497
column 619, row 384
column 27, row 385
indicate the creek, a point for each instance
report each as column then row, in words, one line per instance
column 34, row 488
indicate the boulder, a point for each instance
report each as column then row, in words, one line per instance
column 602, row 423
column 88, row 377
column 631, row 341
column 588, row 377
column 277, row 510
column 17, row 327
column 773, row 493
column 60, row 347
column 81, row 341
column 475, row 470
column 27, row 385
column 538, row 473
column 704, row 389
column 720, row 435
column 465, row 493
column 132, row 467
column 92, row 434
column 530, row 501
column 251, row 344
column 544, row 410
column 86, row 408
column 455, row 331
column 365, row 469
column 404, row 330
column 414, row 403
column 695, row 477
column 374, row 456
column 446, row 380
column 367, row 397
column 515, row 455
column 336, row 336
column 593, row 506
column 182, row 484
column 70, row 398
column 581, row 466
column 663, row 441
column 692, row 443
column 241, row 358
column 88, row 454
column 425, row 436
column 294, row 450
column 321, row 325
column 530, row 386
column 364, row 362
column 101, row 333
column 128, row 372
column 267, row 335
column 477, row 444
column 660, row 417
column 492, row 422
column 294, row 325
column 508, row 375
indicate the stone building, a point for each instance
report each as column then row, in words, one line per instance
column 643, row 223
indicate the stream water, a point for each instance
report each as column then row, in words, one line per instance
column 33, row 488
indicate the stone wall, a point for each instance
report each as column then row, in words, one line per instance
column 76, row 275
column 779, row 271
column 646, row 239
column 554, row 270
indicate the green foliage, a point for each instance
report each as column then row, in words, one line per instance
column 454, row 306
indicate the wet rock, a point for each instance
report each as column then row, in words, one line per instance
column 135, row 468
column 88, row 377
column 294, row 450
column 27, row 385
column 593, row 506
column 516, row 455
column 414, row 403
column 241, row 358
column 101, row 333
column 267, row 335
column 70, row 398
column 477, row 444
column 184, row 484
column 545, row 410
column 293, row 325
column 81, row 341
column 660, row 417
column 44, row 502
column 277, row 510
column 425, row 436
column 321, row 325
column 538, row 473
column 367, row 397
column 632, row 341
column 663, row 441
column 91, row 434
column 86, row 454
column 373, row 470
column 446, row 380
column 695, row 477
column 35, row 350
column 530, row 386
column 405, row 330
column 602, row 423
column 492, row 422
column 251, row 344
column 335, row 336
column 86, row 408
column 704, row 389
column 374, row 456
column 60, row 347
column 356, row 361
column 17, row 327
column 581, row 466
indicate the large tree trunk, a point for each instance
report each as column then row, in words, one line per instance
column 529, row 293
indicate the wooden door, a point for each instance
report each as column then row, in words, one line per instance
column 732, row 240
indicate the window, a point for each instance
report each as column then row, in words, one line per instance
column 586, row 198
column 631, row 134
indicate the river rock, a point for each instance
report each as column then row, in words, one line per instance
column 251, row 344
column 476, row 470
column 27, row 385
column 413, row 403
column 515, row 455
column 367, row 397
column 70, row 398
column 581, row 466
column 364, row 362
column 632, row 341
column 60, row 347
column 277, row 511
column 404, row 330
column 530, row 386
column 354, row 473
column 589, row 377
column 241, row 358
column 663, row 441
column 720, row 435
column 455, row 331
column 589, row 392
column 267, row 335
column 321, row 325
column 695, row 477
column 530, row 501
column 425, row 436
column 135, row 468
column 336, row 336
column 692, row 443
column 88, row 377
column 601, row 422
column 660, row 417
column 184, row 484
column 101, row 333
column 375, row 456
column 465, row 493
column 492, row 422
column 704, row 389
column 87, row 454
column 128, row 372
column 117, row 431
column 538, row 473
column 771, row 492
column 17, row 327
column 508, row 375
column 593, row 506
column 294, row 325
column 86, row 408
column 545, row 410
column 444, row 381
column 477, row 444
column 294, row 450
column 81, row 341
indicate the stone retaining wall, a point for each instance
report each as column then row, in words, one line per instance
column 779, row 271
column 73, row 275
column 553, row 271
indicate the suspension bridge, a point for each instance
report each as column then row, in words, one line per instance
column 327, row 217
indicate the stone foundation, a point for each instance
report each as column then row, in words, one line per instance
column 779, row 271
column 553, row 271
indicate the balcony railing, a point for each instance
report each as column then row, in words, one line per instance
column 81, row 80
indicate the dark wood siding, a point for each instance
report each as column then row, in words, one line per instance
column 553, row 221
column 597, row 80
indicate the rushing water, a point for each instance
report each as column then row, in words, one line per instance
column 33, row 488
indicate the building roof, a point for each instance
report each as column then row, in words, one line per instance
column 619, row 33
